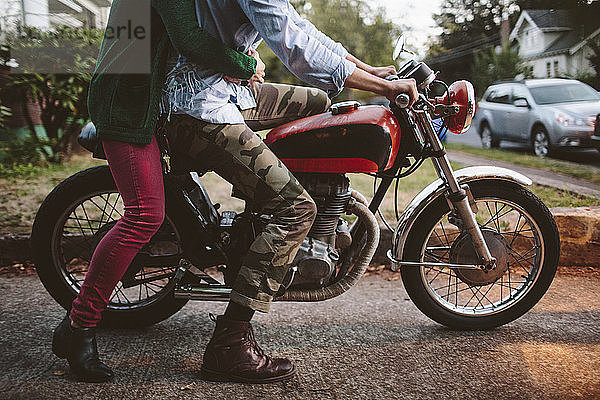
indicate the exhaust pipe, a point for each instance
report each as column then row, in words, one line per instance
column 357, row 206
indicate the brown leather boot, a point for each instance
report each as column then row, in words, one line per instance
column 232, row 355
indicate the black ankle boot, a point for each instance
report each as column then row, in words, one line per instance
column 78, row 346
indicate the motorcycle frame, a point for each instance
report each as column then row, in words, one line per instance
column 200, row 220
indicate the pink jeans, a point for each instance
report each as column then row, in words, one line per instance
column 137, row 172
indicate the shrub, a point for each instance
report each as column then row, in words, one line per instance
column 55, row 68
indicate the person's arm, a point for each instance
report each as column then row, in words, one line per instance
column 337, row 47
column 305, row 56
column 179, row 19
column 312, row 31
column 365, row 81
column 381, row 72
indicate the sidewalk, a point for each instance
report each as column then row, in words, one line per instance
column 538, row 176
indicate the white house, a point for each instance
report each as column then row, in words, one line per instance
column 45, row 14
column 554, row 42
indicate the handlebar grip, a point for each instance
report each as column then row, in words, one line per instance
column 402, row 100
column 392, row 78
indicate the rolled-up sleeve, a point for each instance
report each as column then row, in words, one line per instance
column 312, row 31
column 304, row 54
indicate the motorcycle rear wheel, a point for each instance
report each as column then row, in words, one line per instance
column 525, row 239
column 70, row 223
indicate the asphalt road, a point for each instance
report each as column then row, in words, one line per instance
column 581, row 156
column 370, row 343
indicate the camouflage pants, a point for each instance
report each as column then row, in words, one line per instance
column 239, row 155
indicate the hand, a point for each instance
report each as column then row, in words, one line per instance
column 408, row 86
column 383, row 72
column 259, row 74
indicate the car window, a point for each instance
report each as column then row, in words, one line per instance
column 564, row 93
column 500, row 95
column 519, row 93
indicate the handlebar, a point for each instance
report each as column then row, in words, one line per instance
column 402, row 100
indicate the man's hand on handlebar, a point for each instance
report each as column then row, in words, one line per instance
column 407, row 86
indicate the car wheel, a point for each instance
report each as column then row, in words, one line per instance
column 541, row 143
column 487, row 139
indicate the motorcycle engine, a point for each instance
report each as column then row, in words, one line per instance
column 317, row 257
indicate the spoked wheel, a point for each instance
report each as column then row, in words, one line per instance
column 68, row 227
column 520, row 233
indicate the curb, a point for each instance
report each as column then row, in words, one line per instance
column 579, row 236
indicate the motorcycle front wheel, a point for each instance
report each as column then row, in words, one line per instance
column 70, row 223
column 521, row 234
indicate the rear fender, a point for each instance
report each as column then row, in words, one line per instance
column 439, row 188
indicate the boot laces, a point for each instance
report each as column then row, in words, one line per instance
column 252, row 340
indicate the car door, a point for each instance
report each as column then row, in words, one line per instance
column 519, row 115
column 498, row 105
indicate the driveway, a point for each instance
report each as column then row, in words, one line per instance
column 371, row 343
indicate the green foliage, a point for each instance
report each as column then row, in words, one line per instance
column 490, row 66
column 55, row 68
column 365, row 32
column 4, row 113
column 594, row 59
column 23, row 152
column 466, row 21
column 467, row 26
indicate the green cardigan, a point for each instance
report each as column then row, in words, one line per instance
column 123, row 106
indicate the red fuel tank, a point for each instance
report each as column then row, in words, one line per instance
column 349, row 139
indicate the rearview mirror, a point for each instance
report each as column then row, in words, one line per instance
column 399, row 48
column 521, row 103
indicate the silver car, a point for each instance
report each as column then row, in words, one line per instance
column 547, row 114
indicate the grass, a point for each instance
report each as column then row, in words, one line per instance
column 24, row 188
column 580, row 171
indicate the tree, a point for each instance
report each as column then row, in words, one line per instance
column 467, row 27
column 365, row 32
column 594, row 59
column 55, row 69
column 490, row 66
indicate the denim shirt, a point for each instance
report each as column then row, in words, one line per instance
column 242, row 24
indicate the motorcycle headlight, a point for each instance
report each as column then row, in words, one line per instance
column 568, row 120
column 462, row 94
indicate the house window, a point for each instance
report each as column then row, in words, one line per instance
column 548, row 70
column 556, row 68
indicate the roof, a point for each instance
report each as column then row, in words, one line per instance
column 535, row 82
column 550, row 81
column 552, row 18
column 563, row 44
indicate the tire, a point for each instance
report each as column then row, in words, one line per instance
column 62, row 249
column 540, row 143
column 488, row 141
column 433, row 240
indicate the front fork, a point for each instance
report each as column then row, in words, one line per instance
column 458, row 197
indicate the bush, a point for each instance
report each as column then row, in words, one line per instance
column 491, row 66
column 55, row 68
column 23, row 152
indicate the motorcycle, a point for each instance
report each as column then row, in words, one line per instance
column 475, row 249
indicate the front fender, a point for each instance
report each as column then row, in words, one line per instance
column 437, row 189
